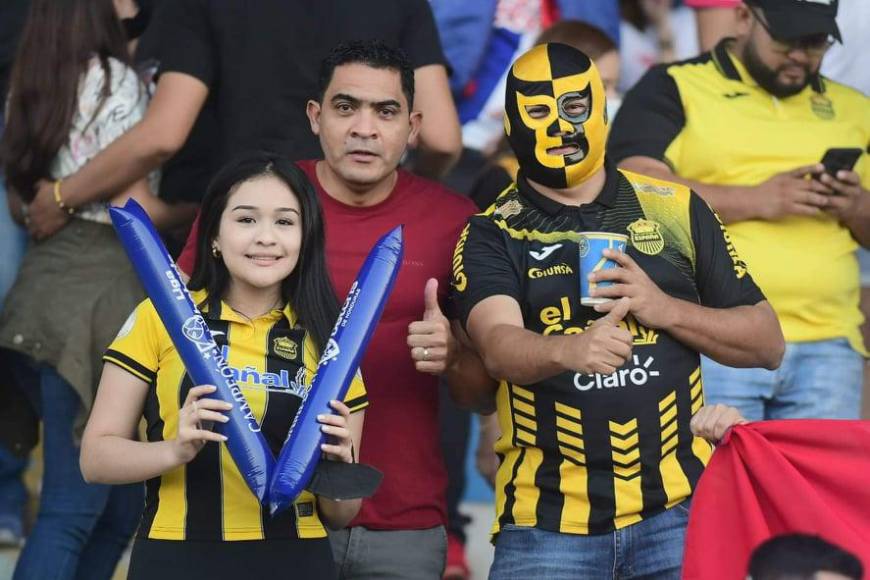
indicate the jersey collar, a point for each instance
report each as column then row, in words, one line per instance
column 731, row 68
column 221, row 311
column 606, row 198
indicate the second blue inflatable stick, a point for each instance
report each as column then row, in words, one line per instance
column 338, row 364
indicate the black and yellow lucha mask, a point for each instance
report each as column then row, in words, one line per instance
column 555, row 115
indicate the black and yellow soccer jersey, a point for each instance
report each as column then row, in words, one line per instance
column 587, row 454
column 273, row 361
column 710, row 122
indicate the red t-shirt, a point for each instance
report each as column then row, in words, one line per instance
column 401, row 434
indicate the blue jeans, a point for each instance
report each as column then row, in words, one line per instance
column 13, row 242
column 81, row 529
column 651, row 548
column 13, row 494
column 817, row 380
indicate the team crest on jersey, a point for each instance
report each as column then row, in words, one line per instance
column 822, row 107
column 646, row 236
column 509, row 208
column 284, row 347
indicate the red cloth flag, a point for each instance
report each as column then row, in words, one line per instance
column 773, row 477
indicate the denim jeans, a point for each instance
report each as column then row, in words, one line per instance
column 651, row 548
column 817, row 380
column 13, row 242
column 81, row 529
column 13, row 495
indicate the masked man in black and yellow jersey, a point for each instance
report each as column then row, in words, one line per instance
column 746, row 125
column 598, row 458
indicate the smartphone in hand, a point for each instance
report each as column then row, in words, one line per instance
column 839, row 158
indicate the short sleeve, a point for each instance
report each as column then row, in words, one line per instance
column 482, row 267
column 356, row 399
column 649, row 119
column 420, row 39
column 136, row 348
column 722, row 277
column 186, row 43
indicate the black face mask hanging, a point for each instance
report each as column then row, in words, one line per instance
column 135, row 26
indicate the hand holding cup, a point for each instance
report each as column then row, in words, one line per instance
column 650, row 306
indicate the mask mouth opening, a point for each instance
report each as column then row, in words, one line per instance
column 564, row 150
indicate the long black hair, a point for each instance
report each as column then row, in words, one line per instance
column 57, row 44
column 308, row 288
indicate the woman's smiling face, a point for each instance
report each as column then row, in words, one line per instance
column 260, row 234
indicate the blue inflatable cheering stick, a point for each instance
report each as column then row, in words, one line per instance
column 189, row 333
column 339, row 362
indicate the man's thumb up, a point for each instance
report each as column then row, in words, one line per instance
column 616, row 314
column 430, row 300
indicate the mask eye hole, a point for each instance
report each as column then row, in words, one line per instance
column 575, row 106
column 537, row 111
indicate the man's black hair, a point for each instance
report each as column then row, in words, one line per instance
column 799, row 557
column 372, row 53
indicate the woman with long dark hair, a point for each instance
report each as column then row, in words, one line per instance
column 71, row 93
column 262, row 285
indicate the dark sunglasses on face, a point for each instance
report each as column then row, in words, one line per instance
column 814, row 45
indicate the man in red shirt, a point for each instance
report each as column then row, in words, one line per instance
column 365, row 122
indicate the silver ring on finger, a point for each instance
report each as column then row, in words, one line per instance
column 425, row 353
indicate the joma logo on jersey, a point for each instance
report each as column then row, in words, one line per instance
column 562, row 269
column 544, row 252
column 638, row 376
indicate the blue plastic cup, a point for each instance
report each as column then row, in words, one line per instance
column 592, row 246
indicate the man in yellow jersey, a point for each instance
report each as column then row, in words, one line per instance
column 599, row 408
column 746, row 126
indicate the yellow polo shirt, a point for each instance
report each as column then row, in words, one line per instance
column 710, row 121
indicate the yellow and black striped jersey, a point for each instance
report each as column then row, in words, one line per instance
column 587, row 454
column 710, row 121
column 273, row 360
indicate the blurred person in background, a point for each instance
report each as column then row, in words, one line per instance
column 651, row 32
column 802, row 557
column 746, row 126
column 72, row 92
column 247, row 69
column 714, row 19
